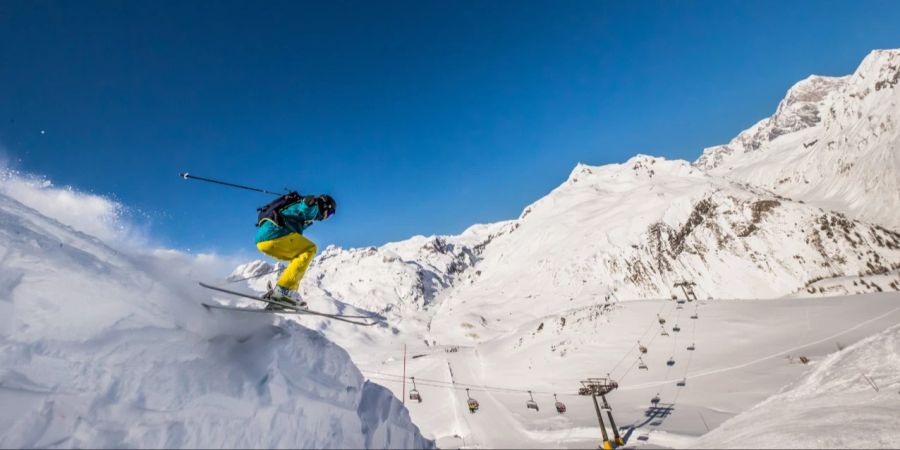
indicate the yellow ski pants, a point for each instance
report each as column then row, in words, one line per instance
column 296, row 249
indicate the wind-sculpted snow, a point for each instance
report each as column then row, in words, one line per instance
column 99, row 348
column 834, row 142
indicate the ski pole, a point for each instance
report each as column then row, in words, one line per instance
column 188, row 176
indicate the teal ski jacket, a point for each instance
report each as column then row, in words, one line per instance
column 297, row 218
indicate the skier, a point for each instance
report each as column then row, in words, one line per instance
column 279, row 234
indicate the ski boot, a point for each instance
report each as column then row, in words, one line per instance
column 288, row 299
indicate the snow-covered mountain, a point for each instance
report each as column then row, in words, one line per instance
column 105, row 348
column 803, row 204
column 833, row 142
column 808, row 194
column 624, row 231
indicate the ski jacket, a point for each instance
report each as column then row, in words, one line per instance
column 297, row 218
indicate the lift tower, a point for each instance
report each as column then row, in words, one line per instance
column 600, row 387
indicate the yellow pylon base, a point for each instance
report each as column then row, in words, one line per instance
column 606, row 445
column 620, row 441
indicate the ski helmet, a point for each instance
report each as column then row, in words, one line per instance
column 327, row 206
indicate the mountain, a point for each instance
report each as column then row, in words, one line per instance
column 833, row 142
column 622, row 231
column 800, row 211
column 102, row 347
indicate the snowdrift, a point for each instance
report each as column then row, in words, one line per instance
column 100, row 348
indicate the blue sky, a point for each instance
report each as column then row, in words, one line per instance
column 419, row 117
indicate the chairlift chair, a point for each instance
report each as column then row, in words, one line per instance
column 670, row 362
column 473, row 404
column 676, row 328
column 661, row 320
column 664, row 332
column 691, row 347
column 655, row 400
column 531, row 404
column 642, row 365
column 681, row 382
column 414, row 393
column 694, row 316
column 560, row 406
column 642, row 348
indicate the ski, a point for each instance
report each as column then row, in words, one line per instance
column 209, row 306
column 266, row 300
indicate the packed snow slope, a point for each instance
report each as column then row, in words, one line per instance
column 102, row 348
column 848, row 401
column 834, row 142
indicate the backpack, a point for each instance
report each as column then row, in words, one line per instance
column 272, row 210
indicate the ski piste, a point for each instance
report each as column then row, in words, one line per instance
column 290, row 310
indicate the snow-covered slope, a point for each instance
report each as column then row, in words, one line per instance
column 565, row 290
column 635, row 229
column 848, row 401
column 834, row 142
column 99, row 348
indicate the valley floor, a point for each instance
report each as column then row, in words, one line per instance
column 746, row 351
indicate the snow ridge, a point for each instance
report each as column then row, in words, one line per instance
column 99, row 348
column 833, row 142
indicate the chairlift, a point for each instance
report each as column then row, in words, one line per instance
column 414, row 393
column 681, row 382
column 642, row 365
column 691, row 347
column 670, row 362
column 655, row 399
column 473, row 404
column 694, row 316
column 531, row 404
column 676, row 328
column 661, row 320
column 642, row 348
column 681, row 301
column 664, row 332
column 560, row 406
column 584, row 390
